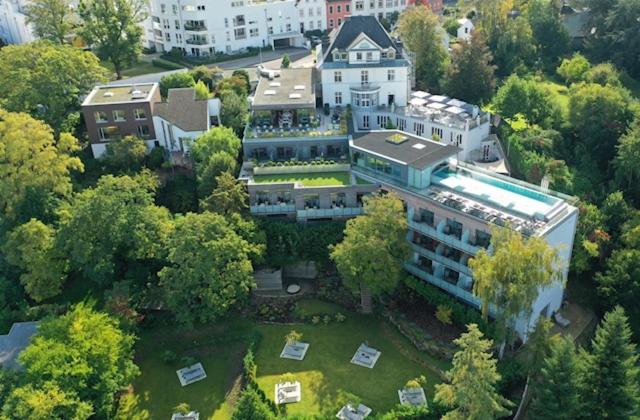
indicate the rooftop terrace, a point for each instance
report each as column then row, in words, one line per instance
column 120, row 93
column 292, row 90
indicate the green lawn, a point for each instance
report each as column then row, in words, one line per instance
column 158, row 386
column 321, row 179
column 559, row 91
column 140, row 68
column 326, row 374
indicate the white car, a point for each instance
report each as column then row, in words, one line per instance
column 265, row 72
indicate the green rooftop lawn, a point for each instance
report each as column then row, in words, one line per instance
column 320, row 179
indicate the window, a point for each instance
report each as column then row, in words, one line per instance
column 365, row 121
column 140, row 113
column 109, row 133
column 179, row 38
column 167, row 36
column 364, row 76
column 119, row 115
column 253, row 32
column 331, row 9
column 270, row 30
column 176, row 24
column 347, row 7
column 337, row 76
column 174, row 9
column 200, row 8
column 339, row 21
column 436, row 132
column 163, row 8
column 310, row 25
column 391, row 75
column 239, row 20
column 369, row 56
column 338, row 98
column 226, row 22
column 143, row 131
column 240, row 33
column 359, row 56
column 331, row 23
column 339, row 9
column 288, row 27
column 100, row 116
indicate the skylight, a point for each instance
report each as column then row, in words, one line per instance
column 298, row 87
column 295, row 96
column 419, row 146
column 269, row 92
column 274, row 84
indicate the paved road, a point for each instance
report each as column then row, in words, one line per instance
column 271, row 59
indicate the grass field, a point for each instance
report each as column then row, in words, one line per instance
column 141, row 67
column 307, row 179
column 326, row 374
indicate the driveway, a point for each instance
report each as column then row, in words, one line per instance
column 270, row 59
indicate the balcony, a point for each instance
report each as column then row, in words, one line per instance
column 459, row 292
column 326, row 213
column 454, row 265
column 450, row 240
column 365, row 87
column 195, row 27
column 197, row 41
column 282, row 208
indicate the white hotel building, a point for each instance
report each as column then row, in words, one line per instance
column 204, row 27
column 13, row 26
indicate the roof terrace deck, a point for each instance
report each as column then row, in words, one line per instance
column 120, row 93
column 298, row 123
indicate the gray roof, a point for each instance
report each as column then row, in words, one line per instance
column 352, row 27
column 414, row 151
column 12, row 344
column 184, row 110
column 292, row 90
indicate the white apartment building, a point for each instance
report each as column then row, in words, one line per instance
column 13, row 26
column 363, row 67
column 312, row 15
column 379, row 8
column 204, row 27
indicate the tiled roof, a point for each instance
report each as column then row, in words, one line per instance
column 352, row 27
column 184, row 110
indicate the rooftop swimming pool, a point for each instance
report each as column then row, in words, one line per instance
column 496, row 191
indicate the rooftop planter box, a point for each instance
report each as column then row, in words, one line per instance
column 301, row 169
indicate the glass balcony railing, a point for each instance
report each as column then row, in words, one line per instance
column 195, row 27
column 459, row 267
column 333, row 212
column 459, row 292
column 273, row 208
column 450, row 240
column 197, row 41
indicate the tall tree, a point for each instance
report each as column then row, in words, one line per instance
column 552, row 38
column 494, row 17
column 573, row 69
column 599, row 115
column 252, row 406
column 234, row 112
column 515, row 49
column 112, row 28
column 609, row 377
column 176, row 80
column 229, row 196
column 31, row 248
column 33, row 160
column 45, row 403
column 470, row 76
column 214, row 153
column 472, row 379
column 47, row 81
column 209, row 269
column 419, row 29
column 85, row 354
column 105, row 229
column 125, row 153
column 557, row 395
column 511, row 277
column 53, row 20
column 626, row 160
column 371, row 256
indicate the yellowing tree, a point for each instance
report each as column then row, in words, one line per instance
column 32, row 159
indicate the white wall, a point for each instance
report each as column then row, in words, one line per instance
column 169, row 135
column 383, row 7
column 281, row 16
column 312, row 14
column 465, row 29
column 377, row 77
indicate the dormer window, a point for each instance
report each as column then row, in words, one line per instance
column 344, row 56
column 336, row 56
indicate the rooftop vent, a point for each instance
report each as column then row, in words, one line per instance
column 295, row 96
column 269, row 92
column 108, row 94
column 397, row 138
column 137, row 94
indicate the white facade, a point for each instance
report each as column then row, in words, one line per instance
column 378, row 8
column 312, row 15
column 13, row 26
column 465, row 29
column 201, row 28
column 364, row 75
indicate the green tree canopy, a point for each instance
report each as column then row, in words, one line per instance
column 557, row 395
column 31, row 247
column 52, row 20
column 234, row 113
column 106, row 228
column 627, row 159
column 515, row 48
column 214, row 153
column 202, row 91
column 229, row 196
column 47, row 81
column 573, row 69
column 126, row 153
column 113, row 28
column 551, row 37
column 238, row 83
column 208, row 75
column 471, row 389
column 175, row 80
column 599, row 115
column 31, row 159
column 609, row 376
column 45, row 403
column 85, row 354
column 604, row 74
column 252, row 406
column 470, row 76
column 370, row 258
column 510, row 277
column 209, row 269
column 418, row 27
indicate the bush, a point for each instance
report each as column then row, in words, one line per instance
column 188, row 360
column 340, row 317
column 249, row 367
column 326, row 320
column 315, row 320
column 155, row 158
column 169, row 356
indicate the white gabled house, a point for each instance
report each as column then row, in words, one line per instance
column 465, row 29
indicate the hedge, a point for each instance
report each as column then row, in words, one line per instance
column 165, row 64
column 461, row 313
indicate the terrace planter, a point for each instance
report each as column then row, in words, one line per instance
column 301, row 169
